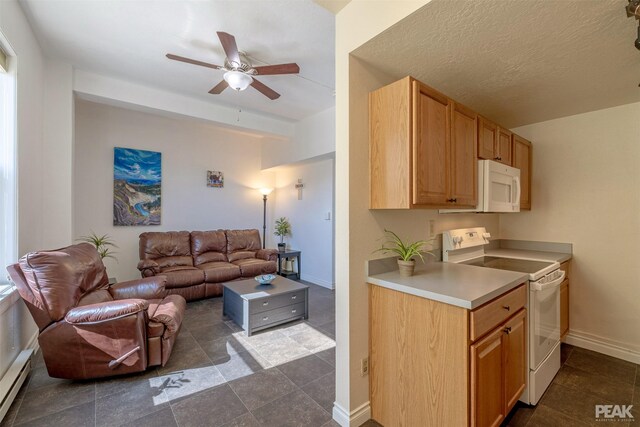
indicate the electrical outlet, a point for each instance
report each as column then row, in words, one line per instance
column 432, row 228
column 364, row 366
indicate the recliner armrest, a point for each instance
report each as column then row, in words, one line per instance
column 147, row 288
column 267, row 254
column 148, row 267
column 105, row 311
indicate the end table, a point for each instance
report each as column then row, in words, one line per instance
column 286, row 255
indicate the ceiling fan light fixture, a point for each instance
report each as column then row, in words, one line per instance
column 237, row 80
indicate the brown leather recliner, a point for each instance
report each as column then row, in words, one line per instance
column 89, row 329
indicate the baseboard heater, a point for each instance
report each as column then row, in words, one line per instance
column 13, row 380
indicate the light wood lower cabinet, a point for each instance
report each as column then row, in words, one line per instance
column 427, row 370
column 564, row 300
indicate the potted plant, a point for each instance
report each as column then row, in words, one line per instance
column 405, row 251
column 283, row 228
column 102, row 243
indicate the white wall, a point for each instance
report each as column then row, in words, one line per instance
column 312, row 232
column 57, row 150
column 586, row 191
column 313, row 136
column 135, row 96
column 189, row 148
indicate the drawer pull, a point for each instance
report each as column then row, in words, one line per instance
column 507, row 330
column 294, row 310
column 506, row 307
column 265, row 318
column 294, row 297
column 266, row 303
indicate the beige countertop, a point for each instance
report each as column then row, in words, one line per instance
column 461, row 285
column 525, row 254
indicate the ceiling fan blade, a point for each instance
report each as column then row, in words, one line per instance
column 192, row 61
column 217, row 89
column 265, row 90
column 291, row 68
column 229, row 45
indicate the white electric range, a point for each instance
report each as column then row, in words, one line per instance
column 467, row 246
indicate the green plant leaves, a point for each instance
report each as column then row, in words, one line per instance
column 406, row 251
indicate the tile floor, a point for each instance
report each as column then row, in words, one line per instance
column 281, row 377
column 216, row 376
column 585, row 379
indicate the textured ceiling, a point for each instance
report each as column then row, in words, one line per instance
column 129, row 39
column 517, row 62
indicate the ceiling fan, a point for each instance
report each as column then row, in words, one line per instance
column 239, row 73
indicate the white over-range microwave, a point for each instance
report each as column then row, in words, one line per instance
column 498, row 188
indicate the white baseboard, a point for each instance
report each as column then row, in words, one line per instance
column 602, row 345
column 356, row 418
column 317, row 281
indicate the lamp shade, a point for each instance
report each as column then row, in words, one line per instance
column 266, row 191
column 237, row 80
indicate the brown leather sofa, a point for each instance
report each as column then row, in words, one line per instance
column 89, row 329
column 196, row 264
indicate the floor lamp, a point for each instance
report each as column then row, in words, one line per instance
column 265, row 192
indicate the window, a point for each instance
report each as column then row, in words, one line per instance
column 8, row 234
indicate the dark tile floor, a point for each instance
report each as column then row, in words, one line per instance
column 585, row 379
column 281, row 377
column 216, row 376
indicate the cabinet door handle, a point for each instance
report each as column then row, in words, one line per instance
column 507, row 330
column 452, row 200
column 506, row 307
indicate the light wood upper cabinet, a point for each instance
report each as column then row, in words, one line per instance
column 522, row 157
column 422, row 149
column 487, row 139
column 431, row 139
column 504, row 146
column 494, row 142
column 463, row 166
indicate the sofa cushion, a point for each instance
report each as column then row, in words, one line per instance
column 168, row 248
column 242, row 244
column 208, row 246
column 174, row 261
column 181, row 276
column 218, row 272
column 254, row 267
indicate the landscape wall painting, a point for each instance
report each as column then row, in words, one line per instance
column 137, row 184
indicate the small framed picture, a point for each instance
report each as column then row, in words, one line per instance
column 215, row 179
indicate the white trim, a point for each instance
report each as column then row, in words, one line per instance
column 357, row 417
column 317, row 281
column 602, row 345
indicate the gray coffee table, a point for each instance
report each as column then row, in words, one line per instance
column 255, row 307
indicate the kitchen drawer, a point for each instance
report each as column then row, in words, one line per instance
column 271, row 303
column 490, row 315
column 277, row 315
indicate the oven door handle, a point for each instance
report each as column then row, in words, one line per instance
column 545, row 286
